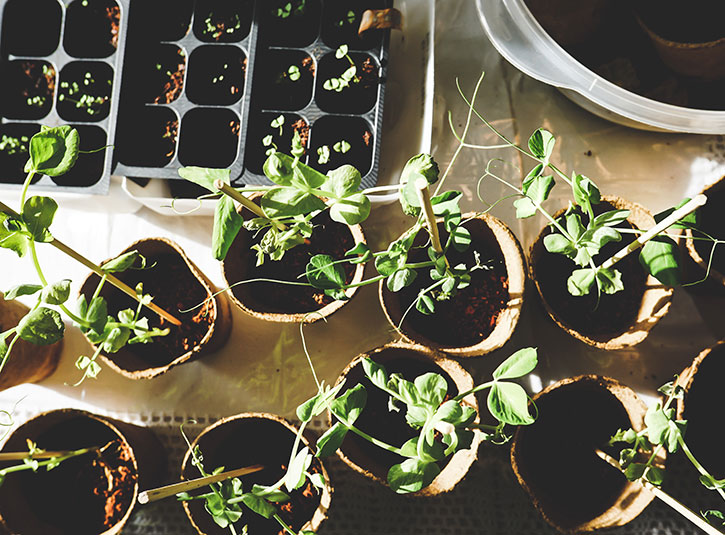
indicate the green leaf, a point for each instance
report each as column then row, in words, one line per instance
column 53, row 151
column 377, row 374
column 431, row 387
column 41, row 326
column 97, row 314
column 343, row 181
column 654, row 475
column 425, row 305
column 391, row 260
column 447, row 203
column 610, row 218
column 662, row 427
column 22, row 289
column 56, row 293
column 341, row 51
column 331, row 440
column 689, row 221
column 289, row 202
column 123, row 262
column 661, row 258
column 420, row 165
column 295, row 476
column 711, row 483
column 461, row 239
column 227, row 224
column 259, row 505
column 116, row 339
column 634, row 471
column 11, row 235
column 400, row 279
column 318, row 403
column 323, row 273
column 558, row 243
column 509, row 403
column 541, row 144
column 205, row 177
column 361, row 249
column 610, row 280
column 524, row 208
column 38, row 214
column 714, row 517
column 581, row 281
column 270, row 493
column 585, row 192
column 538, row 188
column 351, row 210
column 412, row 475
column 350, row 405
column 517, row 365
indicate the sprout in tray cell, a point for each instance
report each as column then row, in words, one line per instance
column 27, row 89
column 171, row 79
column 76, row 93
column 349, row 82
column 223, row 21
column 216, row 75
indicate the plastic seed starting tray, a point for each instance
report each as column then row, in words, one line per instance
column 60, row 63
column 174, row 83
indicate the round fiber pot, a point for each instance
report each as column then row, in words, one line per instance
column 256, row 438
column 554, row 459
column 479, row 318
column 90, row 494
column 703, row 397
column 277, row 302
column 711, row 222
column 175, row 284
column 390, row 426
column 619, row 320
column 570, row 22
column 28, row 363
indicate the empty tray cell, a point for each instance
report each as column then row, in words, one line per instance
column 27, row 89
column 284, row 79
column 273, row 131
column 216, row 75
column 91, row 28
column 348, row 84
column 14, row 139
column 44, row 16
column 340, row 23
column 160, row 20
column 209, row 137
column 293, row 23
column 84, row 91
column 222, row 21
column 337, row 140
column 147, row 136
column 88, row 169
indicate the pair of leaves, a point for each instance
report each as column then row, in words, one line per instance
column 52, row 294
column 347, row 409
column 663, row 428
column 419, row 166
column 53, row 151
column 34, row 223
column 508, row 402
column 582, row 281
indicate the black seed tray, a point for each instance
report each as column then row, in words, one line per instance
column 60, row 63
column 214, row 115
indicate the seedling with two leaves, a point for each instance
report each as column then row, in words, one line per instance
column 349, row 76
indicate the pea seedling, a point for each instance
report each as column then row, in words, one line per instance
column 347, row 77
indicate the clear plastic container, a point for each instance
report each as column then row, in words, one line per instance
column 519, row 38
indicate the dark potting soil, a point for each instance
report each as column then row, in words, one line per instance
column 362, row 93
column 223, row 21
column 27, row 89
column 275, row 87
column 147, row 136
column 331, row 129
column 711, row 222
column 702, row 403
column 216, row 75
column 14, row 140
column 299, row 28
column 248, row 441
column 612, row 314
column 91, row 28
column 160, row 20
column 328, row 237
column 378, row 420
column 84, row 495
column 470, row 316
column 572, row 484
column 43, row 40
column 174, row 288
column 194, row 146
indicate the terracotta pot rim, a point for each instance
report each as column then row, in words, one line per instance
column 298, row 317
column 654, row 305
column 460, row 463
column 221, row 312
column 508, row 317
column 635, row 409
column 320, row 514
column 118, row 526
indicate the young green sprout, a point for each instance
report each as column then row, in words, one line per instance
column 347, row 77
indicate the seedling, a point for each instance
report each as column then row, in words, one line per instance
column 293, row 73
column 216, row 29
column 323, row 154
column 347, row 77
column 11, row 145
column 663, row 431
column 341, row 146
column 295, row 8
column 72, row 92
column 53, row 151
column 349, row 18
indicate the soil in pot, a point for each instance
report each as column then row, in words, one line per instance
column 88, row 169
column 329, row 238
column 174, row 287
column 91, row 28
column 711, row 222
column 147, row 136
column 333, row 129
column 556, row 458
column 14, row 139
column 259, row 128
column 160, row 20
column 27, row 89
column 84, row 91
column 341, row 20
column 296, row 26
column 194, row 146
column 84, row 495
column 216, row 75
column 221, row 21
column 362, row 93
column 283, row 79
column 43, row 39
column 470, row 316
column 230, row 445
column 610, row 314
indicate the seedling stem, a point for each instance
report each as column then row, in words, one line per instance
column 421, row 185
column 241, row 199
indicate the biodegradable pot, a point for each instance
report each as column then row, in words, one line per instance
column 688, row 37
column 480, row 318
column 90, row 494
column 256, row 438
column 183, row 286
column 28, row 363
column 554, row 459
column 391, row 427
column 710, row 221
column 703, row 396
column 271, row 301
column 619, row 320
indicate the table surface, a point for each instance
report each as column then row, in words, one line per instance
column 263, row 368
